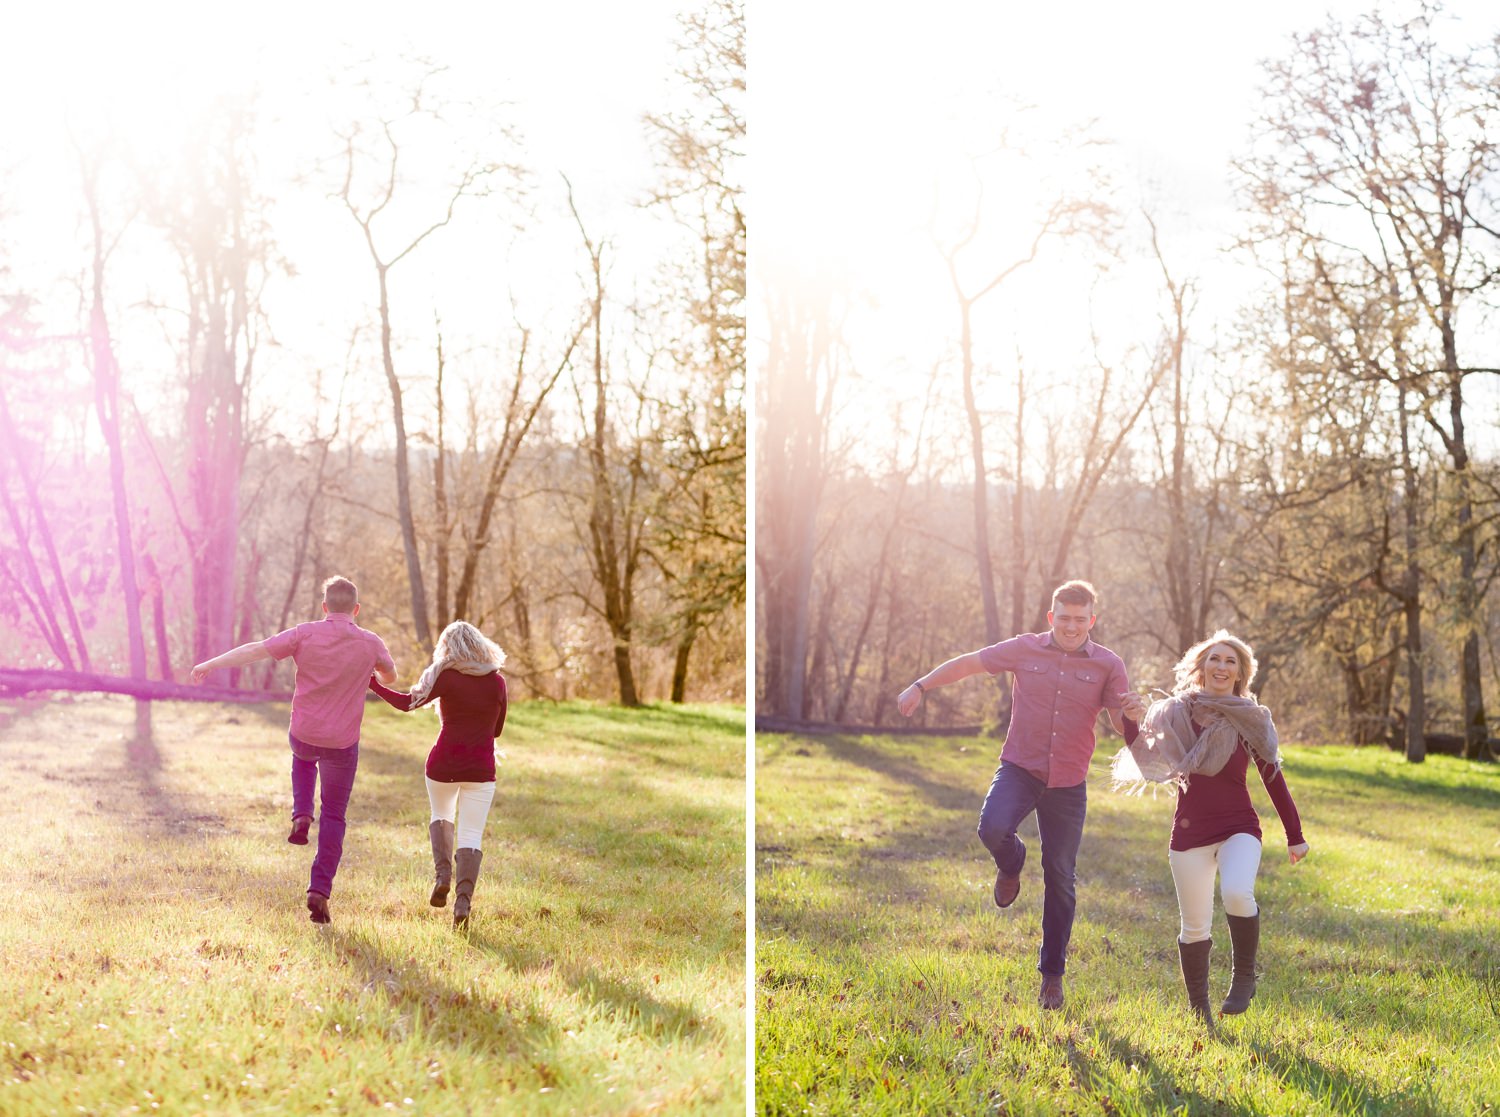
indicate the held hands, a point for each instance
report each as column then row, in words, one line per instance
column 1133, row 705
column 1298, row 852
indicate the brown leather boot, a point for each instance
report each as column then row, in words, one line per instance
column 1244, row 936
column 441, row 833
column 1051, row 994
column 466, row 873
column 1194, row 956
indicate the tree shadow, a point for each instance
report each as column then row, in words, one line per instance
column 649, row 1015
column 452, row 1014
column 1413, row 786
column 1165, row 1089
column 946, row 796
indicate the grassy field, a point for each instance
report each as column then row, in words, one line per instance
column 888, row 983
column 155, row 955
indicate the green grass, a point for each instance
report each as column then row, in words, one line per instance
column 155, row 955
column 888, row 983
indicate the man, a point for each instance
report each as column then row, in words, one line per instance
column 1062, row 680
column 334, row 659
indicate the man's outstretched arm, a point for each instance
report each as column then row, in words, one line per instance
column 237, row 657
column 955, row 669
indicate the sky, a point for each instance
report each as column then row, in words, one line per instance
column 573, row 77
column 861, row 131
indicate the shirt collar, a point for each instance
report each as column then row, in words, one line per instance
column 1085, row 650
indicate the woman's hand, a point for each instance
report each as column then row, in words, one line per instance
column 1297, row 853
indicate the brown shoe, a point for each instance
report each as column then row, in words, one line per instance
column 300, row 826
column 1006, row 889
column 1051, row 995
column 317, row 908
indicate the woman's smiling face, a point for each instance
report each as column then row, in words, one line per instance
column 1221, row 670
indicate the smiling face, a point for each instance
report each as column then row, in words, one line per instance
column 1070, row 624
column 1222, row 670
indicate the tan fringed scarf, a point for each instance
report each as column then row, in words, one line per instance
column 1167, row 752
column 423, row 690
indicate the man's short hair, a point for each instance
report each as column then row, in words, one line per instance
column 340, row 595
column 1076, row 592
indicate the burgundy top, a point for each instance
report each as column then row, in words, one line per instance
column 472, row 711
column 334, row 657
column 1057, row 698
column 1216, row 807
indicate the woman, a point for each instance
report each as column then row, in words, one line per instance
column 464, row 677
column 1203, row 739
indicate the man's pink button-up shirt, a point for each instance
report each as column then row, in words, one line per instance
column 1057, row 699
column 334, row 658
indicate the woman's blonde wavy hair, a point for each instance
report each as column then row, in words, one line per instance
column 1189, row 669
column 461, row 647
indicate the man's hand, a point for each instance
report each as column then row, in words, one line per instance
column 908, row 700
column 1133, row 705
column 1297, row 853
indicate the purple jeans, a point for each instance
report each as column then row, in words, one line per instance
column 1060, row 812
column 338, row 767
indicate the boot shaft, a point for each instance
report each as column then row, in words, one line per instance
column 466, row 873
column 1194, row 957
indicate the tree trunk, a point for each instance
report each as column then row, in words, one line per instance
column 981, row 495
column 403, row 475
column 1411, row 597
column 440, row 501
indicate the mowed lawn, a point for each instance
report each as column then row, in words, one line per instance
column 888, row 983
column 156, row 957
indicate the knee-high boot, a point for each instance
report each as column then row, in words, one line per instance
column 1244, row 935
column 441, row 833
column 1194, row 956
column 467, row 873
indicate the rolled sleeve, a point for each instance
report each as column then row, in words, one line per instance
column 1004, row 656
column 283, row 644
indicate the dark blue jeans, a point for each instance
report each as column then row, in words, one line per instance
column 1015, row 793
column 338, row 767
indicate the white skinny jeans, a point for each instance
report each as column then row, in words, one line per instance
column 1237, row 860
column 466, row 805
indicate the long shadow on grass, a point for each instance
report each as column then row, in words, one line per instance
column 625, row 1000
column 1413, row 785
column 946, row 796
column 1164, row 1086
column 448, row 1013
column 1344, row 1093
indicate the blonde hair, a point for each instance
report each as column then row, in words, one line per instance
column 1189, row 669
column 461, row 647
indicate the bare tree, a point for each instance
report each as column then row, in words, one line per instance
column 106, row 372
column 699, row 535
column 615, row 542
column 1377, row 122
column 473, row 180
column 1065, row 216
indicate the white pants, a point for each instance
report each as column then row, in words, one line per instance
column 466, row 805
column 1237, row 860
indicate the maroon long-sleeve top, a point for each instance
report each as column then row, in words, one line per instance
column 472, row 711
column 1216, row 807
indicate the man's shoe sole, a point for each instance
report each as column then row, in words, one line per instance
column 300, row 826
column 1006, row 889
